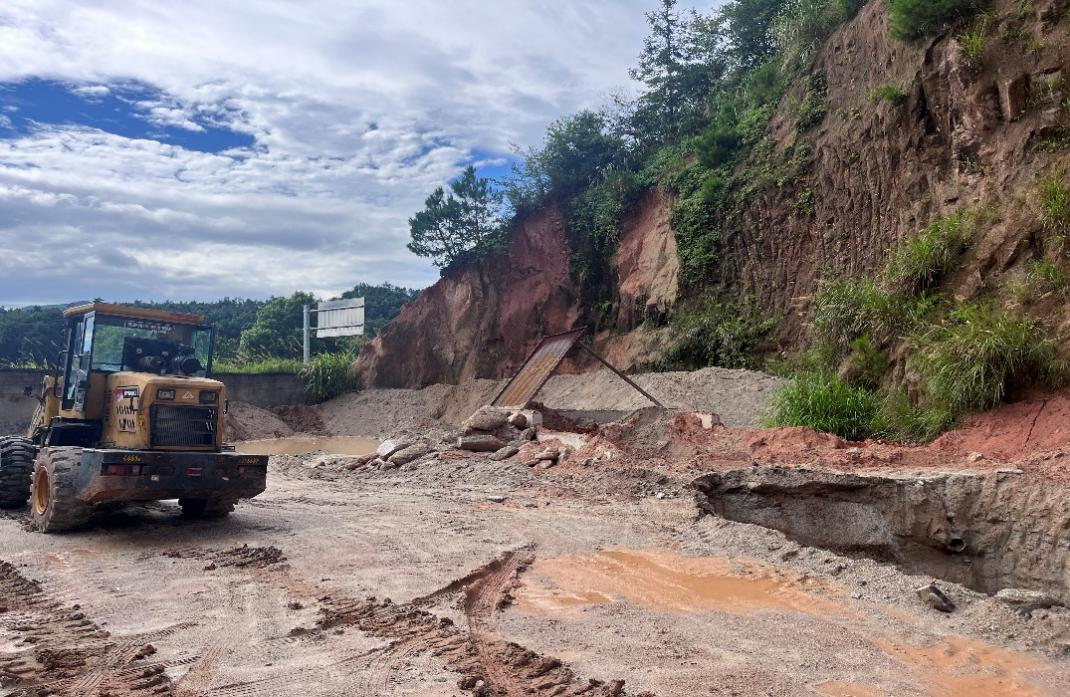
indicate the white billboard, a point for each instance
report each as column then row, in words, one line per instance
column 340, row 318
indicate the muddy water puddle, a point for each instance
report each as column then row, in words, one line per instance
column 668, row 582
column 303, row 445
column 960, row 666
column 953, row 666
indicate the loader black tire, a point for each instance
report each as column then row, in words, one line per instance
column 54, row 505
column 206, row 508
column 16, row 470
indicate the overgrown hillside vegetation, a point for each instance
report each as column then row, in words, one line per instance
column 872, row 197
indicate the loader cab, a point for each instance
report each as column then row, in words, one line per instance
column 103, row 339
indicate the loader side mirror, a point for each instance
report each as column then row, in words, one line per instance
column 226, row 406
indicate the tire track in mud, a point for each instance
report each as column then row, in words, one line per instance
column 489, row 666
column 62, row 652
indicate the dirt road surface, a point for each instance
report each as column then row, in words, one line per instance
column 426, row 583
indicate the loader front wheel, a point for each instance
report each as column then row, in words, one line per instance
column 16, row 470
column 54, row 505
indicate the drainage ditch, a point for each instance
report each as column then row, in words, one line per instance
column 986, row 531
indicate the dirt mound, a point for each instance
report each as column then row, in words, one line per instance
column 739, row 397
column 1012, row 430
column 302, row 418
column 246, row 422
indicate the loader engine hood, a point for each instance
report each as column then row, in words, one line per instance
column 163, row 412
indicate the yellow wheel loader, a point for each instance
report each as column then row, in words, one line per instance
column 132, row 416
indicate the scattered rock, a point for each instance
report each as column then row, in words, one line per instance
column 935, row 598
column 1025, row 601
column 975, row 457
column 505, row 453
column 413, row 452
column 549, row 454
column 480, row 443
column 390, row 446
column 486, row 419
column 365, row 459
column 496, row 499
column 528, row 433
column 519, row 420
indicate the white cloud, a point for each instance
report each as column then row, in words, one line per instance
column 358, row 109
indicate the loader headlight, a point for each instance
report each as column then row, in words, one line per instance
column 165, row 393
column 209, row 397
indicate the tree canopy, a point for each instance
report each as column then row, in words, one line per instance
column 455, row 224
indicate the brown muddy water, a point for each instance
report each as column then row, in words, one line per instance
column 303, row 445
column 669, row 582
column 661, row 581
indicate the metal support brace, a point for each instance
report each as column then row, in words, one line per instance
column 619, row 374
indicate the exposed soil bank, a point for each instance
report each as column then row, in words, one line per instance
column 987, row 531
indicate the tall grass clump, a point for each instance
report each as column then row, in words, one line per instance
column 1055, row 202
column 920, row 261
column 973, row 39
column 914, row 19
column 978, row 353
column 887, row 93
column 825, row 403
column 329, row 375
column 1046, row 276
column 897, row 418
column 847, row 309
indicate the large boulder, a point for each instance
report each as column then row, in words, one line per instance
column 486, row 419
column 480, row 443
column 413, row 452
column 390, row 446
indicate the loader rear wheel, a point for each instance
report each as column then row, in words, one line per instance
column 54, row 505
column 16, row 470
column 206, row 508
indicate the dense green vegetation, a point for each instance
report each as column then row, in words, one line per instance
column 251, row 335
column 965, row 355
column 914, row 19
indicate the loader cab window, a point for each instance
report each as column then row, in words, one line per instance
column 79, row 354
column 150, row 346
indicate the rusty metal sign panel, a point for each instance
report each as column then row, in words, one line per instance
column 536, row 370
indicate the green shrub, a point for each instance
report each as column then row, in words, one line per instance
column 329, row 375
column 1055, row 202
column 978, row 353
column 914, row 19
column 973, row 38
column 826, row 404
column 847, row 309
column 897, row 419
column 920, row 261
column 728, row 335
column 887, row 93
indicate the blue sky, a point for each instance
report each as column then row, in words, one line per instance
column 217, row 147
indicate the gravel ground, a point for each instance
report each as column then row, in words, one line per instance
column 273, row 601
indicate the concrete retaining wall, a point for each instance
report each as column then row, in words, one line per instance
column 19, row 390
